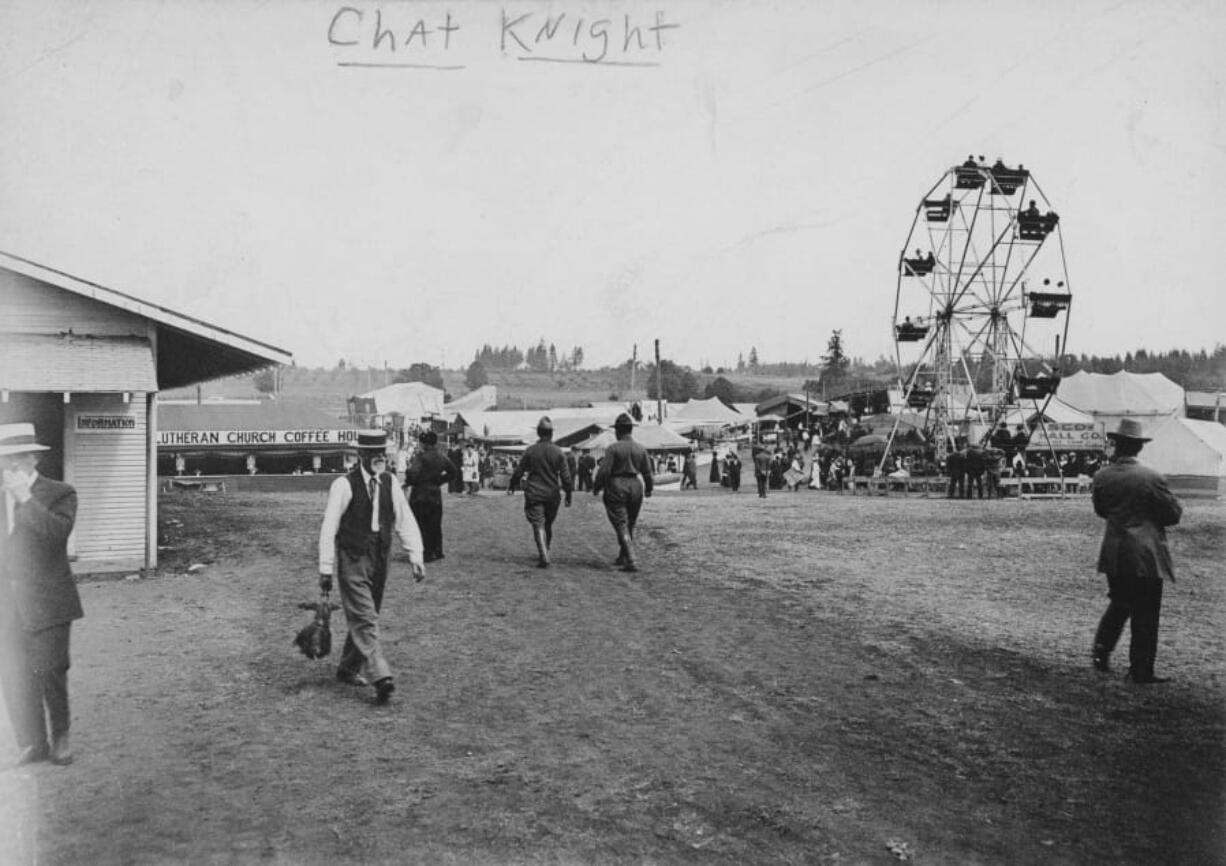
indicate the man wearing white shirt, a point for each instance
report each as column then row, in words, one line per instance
column 366, row 507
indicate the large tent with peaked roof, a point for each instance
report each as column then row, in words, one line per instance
column 653, row 437
column 413, row 400
column 1110, row 397
column 1190, row 453
column 710, row 411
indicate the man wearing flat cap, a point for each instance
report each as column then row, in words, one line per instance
column 618, row 477
column 1138, row 506
column 38, row 599
column 545, row 473
column 365, row 509
column 428, row 471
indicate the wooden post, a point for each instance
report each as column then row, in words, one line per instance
column 659, row 391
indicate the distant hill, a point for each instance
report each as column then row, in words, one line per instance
column 328, row 390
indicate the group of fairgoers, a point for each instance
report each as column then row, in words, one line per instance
column 367, row 508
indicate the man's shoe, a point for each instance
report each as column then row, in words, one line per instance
column 383, row 690
column 32, row 755
column 543, row 562
column 1147, row 679
column 1101, row 664
column 351, row 679
column 61, row 752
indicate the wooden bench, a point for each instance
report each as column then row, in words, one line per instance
column 200, row 485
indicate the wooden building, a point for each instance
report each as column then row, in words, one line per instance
column 85, row 363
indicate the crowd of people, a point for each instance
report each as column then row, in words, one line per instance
column 367, row 511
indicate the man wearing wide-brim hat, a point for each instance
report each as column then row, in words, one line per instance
column 1138, row 506
column 618, row 477
column 365, row 509
column 38, row 598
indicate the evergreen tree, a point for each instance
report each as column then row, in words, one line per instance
column 476, row 377
column 835, row 361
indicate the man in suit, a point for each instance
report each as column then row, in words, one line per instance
column 428, row 471
column 366, row 507
column 1138, row 506
column 38, row 599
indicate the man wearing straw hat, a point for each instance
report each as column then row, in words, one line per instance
column 1138, row 506
column 365, row 508
column 38, row 599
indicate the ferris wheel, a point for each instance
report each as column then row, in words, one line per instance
column 982, row 303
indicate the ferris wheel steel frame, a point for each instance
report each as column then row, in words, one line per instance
column 982, row 251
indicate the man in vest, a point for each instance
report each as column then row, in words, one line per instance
column 366, row 507
column 38, row 598
column 618, row 476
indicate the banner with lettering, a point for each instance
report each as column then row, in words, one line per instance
column 1068, row 437
column 196, row 439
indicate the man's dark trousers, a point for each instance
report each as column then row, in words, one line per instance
column 1138, row 598
column 429, row 517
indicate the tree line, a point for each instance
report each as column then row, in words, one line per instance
column 837, row 371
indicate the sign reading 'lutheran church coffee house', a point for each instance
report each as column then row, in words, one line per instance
column 215, row 438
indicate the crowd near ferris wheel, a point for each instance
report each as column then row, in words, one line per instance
column 981, row 307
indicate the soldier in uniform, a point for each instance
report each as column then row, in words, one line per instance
column 547, row 471
column 618, row 477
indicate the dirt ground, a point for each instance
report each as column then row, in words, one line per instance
column 812, row 678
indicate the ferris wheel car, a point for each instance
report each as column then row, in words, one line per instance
column 969, row 176
column 920, row 397
column 937, row 210
column 1038, row 387
column 1036, row 226
column 1048, row 305
column 1005, row 181
column 910, row 332
column 918, row 266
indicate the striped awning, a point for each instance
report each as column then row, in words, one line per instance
column 47, row 363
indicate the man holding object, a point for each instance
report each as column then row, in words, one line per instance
column 38, row 599
column 365, row 508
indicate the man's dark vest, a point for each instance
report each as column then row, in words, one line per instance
column 353, row 537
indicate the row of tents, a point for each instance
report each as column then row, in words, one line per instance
column 1190, row 452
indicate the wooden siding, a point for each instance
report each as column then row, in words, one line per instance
column 33, row 307
column 109, row 471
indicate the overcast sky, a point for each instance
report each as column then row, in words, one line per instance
column 745, row 174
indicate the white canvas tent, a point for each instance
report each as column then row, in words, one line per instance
column 1123, row 395
column 653, row 437
column 1191, row 454
column 413, row 400
column 519, row 426
column 477, row 400
column 710, row 411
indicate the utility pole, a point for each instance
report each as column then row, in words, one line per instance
column 634, row 362
column 659, row 390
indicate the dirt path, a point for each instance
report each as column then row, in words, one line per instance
column 798, row 680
